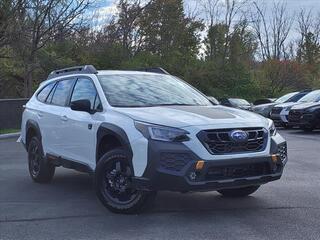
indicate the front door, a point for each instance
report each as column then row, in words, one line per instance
column 80, row 136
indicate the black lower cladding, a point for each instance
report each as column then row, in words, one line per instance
column 172, row 166
column 308, row 119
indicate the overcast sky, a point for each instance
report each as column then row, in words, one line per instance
column 293, row 5
column 106, row 8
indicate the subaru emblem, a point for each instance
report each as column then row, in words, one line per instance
column 239, row 136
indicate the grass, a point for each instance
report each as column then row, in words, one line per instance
column 10, row 130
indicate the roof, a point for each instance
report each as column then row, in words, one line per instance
column 90, row 69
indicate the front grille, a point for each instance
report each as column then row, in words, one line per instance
column 220, row 142
column 276, row 110
column 295, row 116
column 174, row 161
column 238, row 171
column 282, row 151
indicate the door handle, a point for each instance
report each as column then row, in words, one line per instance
column 64, row 118
column 40, row 115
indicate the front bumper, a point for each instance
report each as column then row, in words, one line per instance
column 309, row 119
column 172, row 166
column 305, row 119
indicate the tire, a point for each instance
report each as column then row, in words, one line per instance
column 39, row 169
column 113, row 184
column 238, row 192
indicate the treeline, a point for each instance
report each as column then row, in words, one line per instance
column 225, row 48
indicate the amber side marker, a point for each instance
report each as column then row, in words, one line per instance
column 199, row 165
column 274, row 158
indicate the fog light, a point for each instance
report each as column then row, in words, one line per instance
column 199, row 165
column 274, row 158
column 192, row 176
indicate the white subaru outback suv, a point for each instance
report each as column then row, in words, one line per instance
column 140, row 132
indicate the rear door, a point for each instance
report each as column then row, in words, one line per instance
column 56, row 123
column 40, row 112
column 80, row 136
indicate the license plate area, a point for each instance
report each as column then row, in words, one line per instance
column 237, row 171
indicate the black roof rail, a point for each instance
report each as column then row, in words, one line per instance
column 153, row 70
column 88, row 69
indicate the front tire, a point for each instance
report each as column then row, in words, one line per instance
column 113, row 184
column 39, row 169
column 238, row 192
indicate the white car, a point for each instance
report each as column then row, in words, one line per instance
column 141, row 132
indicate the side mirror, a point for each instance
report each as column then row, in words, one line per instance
column 82, row 105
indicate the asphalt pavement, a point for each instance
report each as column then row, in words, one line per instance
column 68, row 209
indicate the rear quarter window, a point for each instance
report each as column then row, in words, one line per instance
column 44, row 92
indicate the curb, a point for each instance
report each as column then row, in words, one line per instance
column 10, row 135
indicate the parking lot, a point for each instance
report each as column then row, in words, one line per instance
column 68, row 209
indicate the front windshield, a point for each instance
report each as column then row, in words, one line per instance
column 146, row 90
column 285, row 98
column 314, row 96
column 239, row 102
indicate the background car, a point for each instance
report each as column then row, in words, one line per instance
column 236, row 103
column 264, row 101
column 265, row 109
column 280, row 113
column 306, row 115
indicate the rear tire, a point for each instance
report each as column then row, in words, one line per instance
column 238, row 192
column 113, row 184
column 39, row 169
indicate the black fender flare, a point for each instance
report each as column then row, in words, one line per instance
column 117, row 132
column 31, row 124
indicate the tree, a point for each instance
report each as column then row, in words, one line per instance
column 43, row 20
column 309, row 50
column 278, row 76
column 215, row 42
column 243, row 44
column 166, row 29
column 273, row 34
column 10, row 11
column 129, row 25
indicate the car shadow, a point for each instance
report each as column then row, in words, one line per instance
column 301, row 132
column 73, row 185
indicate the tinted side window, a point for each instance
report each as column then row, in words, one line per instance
column 42, row 95
column 224, row 101
column 85, row 89
column 49, row 98
column 61, row 92
column 97, row 104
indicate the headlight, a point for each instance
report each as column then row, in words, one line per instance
column 272, row 129
column 162, row 133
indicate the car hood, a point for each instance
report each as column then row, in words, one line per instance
column 263, row 106
column 285, row 105
column 246, row 107
column 183, row 116
column 306, row 105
